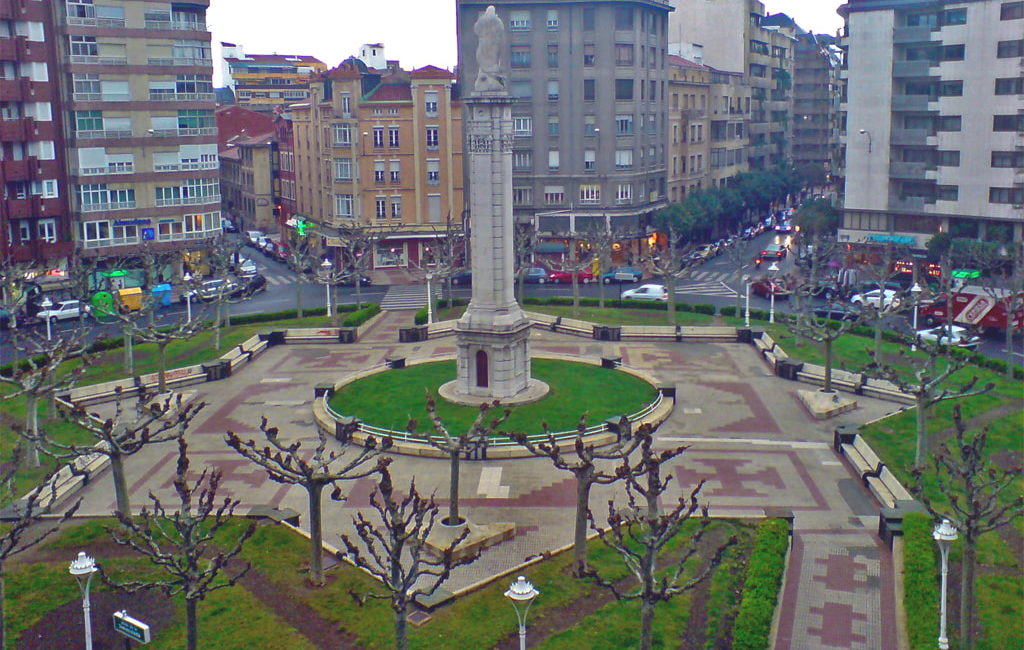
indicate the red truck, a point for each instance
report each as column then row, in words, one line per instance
column 976, row 307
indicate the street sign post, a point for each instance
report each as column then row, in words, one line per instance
column 133, row 629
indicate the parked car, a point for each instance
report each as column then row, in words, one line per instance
column 212, row 290
column 255, row 284
column 646, row 292
column 765, row 288
column 536, row 275
column 565, row 277
column 350, row 281
column 622, row 274
column 784, row 227
column 954, row 335
column 778, row 251
column 877, row 298
column 253, row 237
column 838, row 311
column 282, row 252
column 227, row 225
column 463, row 277
column 245, row 268
column 707, row 251
column 63, row 310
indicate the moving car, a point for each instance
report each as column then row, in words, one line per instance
column 646, row 292
column 784, row 227
column 350, row 281
column 622, row 274
column 246, row 268
column 565, row 277
column 536, row 275
column 877, row 298
column 954, row 335
column 778, row 251
column 765, row 288
column 63, row 310
column 707, row 251
column 463, row 277
column 838, row 311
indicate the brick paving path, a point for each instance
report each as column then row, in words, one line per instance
column 752, row 441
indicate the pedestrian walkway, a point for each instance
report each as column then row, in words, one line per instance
column 704, row 288
column 401, row 297
column 280, row 279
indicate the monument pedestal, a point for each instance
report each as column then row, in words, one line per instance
column 824, row 405
column 480, row 536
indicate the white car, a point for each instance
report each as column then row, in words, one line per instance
column 954, row 335
column 245, row 268
column 253, row 237
column 888, row 298
column 63, row 310
column 646, row 292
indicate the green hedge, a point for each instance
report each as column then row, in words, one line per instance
column 421, row 316
column 357, row 318
column 920, row 580
column 753, row 625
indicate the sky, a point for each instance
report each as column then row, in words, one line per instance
column 415, row 32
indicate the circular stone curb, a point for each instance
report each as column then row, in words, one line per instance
column 535, row 390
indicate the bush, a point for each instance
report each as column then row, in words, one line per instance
column 920, row 580
column 728, row 311
column 753, row 625
column 421, row 316
column 287, row 314
column 442, row 303
column 357, row 318
column 705, row 309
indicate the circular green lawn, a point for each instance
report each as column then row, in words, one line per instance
column 391, row 398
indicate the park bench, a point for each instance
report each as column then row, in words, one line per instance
column 441, row 328
column 841, row 379
column 764, row 343
column 707, row 332
column 574, row 326
column 543, row 321
column 311, row 335
column 650, row 332
column 884, row 389
column 862, row 457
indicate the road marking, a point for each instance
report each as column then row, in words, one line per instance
column 490, row 484
column 795, row 444
column 275, row 380
column 692, row 410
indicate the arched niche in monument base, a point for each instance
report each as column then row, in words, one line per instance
column 481, row 369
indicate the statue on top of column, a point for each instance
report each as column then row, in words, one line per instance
column 490, row 52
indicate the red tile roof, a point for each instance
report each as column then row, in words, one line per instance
column 431, row 72
column 235, row 121
column 400, row 92
column 686, row 63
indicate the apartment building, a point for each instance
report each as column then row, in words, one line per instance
column 34, row 216
column 934, row 120
column 733, row 37
column 729, row 115
column 265, row 82
column 689, row 126
column 135, row 78
column 247, row 152
column 381, row 148
column 590, row 132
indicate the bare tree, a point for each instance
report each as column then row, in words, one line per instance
column 359, row 244
column 1003, row 282
column 14, row 283
column 584, row 468
column 602, row 245
column 289, row 464
column 640, row 532
column 524, row 243
column 574, row 264
column 980, row 494
column 180, row 542
column 396, row 553
column 223, row 256
column 670, row 262
column 127, row 432
column 41, row 375
column 472, row 442
column 19, row 532
column 929, row 374
column 442, row 258
column 881, row 272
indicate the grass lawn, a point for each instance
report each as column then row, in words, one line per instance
column 575, row 388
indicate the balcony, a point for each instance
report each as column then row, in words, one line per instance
column 916, row 103
column 180, row 97
column 102, row 97
column 902, row 35
column 910, row 136
column 176, row 25
column 113, row 241
column 193, row 166
column 909, row 203
column 102, row 135
column 15, row 170
column 12, row 49
column 104, row 207
column 78, row 21
column 908, row 170
column 19, row 208
column 180, row 61
column 904, row 69
column 13, row 130
column 109, row 170
column 175, row 133
column 90, row 59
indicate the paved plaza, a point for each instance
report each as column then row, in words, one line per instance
column 751, row 439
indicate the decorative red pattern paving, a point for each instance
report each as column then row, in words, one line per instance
column 221, row 421
column 732, row 482
column 760, row 421
column 335, row 360
column 561, row 494
column 837, row 625
column 841, row 573
column 775, row 464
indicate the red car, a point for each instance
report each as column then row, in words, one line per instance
column 778, row 251
column 765, row 288
column 559, row 277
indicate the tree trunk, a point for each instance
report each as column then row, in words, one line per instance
column 878, row 339
column 453, row 491
column 1009, row 341
column 967, row 593
column 670, row 287
column 828, row 364
column 191, row 625
column 579, row 548
column 227, row 315
column 448, row 287
column 401, row 625
column 3, row 606
column 359, row 292
column 575, row 293
column 922, row 432
column 335, row 316
column 316, row 567
column 647, row 601
column 298, row 301
column 32, row 429
column 161, row 367
column 600, row 289
column 522, row 286
column 120, row 484
column 129, row 353
column 216, row 326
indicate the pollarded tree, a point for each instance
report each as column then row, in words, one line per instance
column 146, row 422
column 396, row 553
column 980, row 494
column 881, row 272
column 179, row 541
column 602, row 244
column 359, row 245
column 670, row 260
column 524, row 242
column 290, row 464
column 574, row 264
column 640, row 533
column 442, row 258
column 470, row 443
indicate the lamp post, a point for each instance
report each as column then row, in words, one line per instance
column 82, row 568
column 772, row 270
column 944, row 535
column 867, row 133
column 746, row 311
column 46, row 304
column 188, row 297
column 326, row 266
column 430, row 299
column 915, row 295
column 521, row 593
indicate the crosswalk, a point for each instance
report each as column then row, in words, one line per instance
column 708, row 283
column 279, row 280
column 411, row 296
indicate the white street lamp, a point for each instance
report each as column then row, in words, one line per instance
column 188, row 295
column 46, row 304
column 944, row 535
column 867, row 133
column 430, row 299
column 746, row 311
column 915, row 294
column 326, row 267
column 772, row 270
column 521, row 593
column 82, row 568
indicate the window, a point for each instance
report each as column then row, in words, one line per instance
column 758, row 70
column 1008, row 122
column 380, row 207
column 624, row 193
column 552, row 90
column 193, row 83
column 430, row 103
column 1011, row 11
column 948, row 123
column 433, row 172
column 395, row 172
column 88, row 120
column 378, row 137
column 25, row 230
column 522, row 160
column 553, row 159
column 396, row 207
column 520, row 56
column 588, row 19
column 624, row 18
column 947, row 158
column 94, row 230
column 343, row 206
column 46, row 230
column 1011, row 195
column 623, row 124
column 195, row 122
column 1010, row 49
column 85, row 85
column 589, row 125
column 393, row 136
column 553, row 125
column 552, row 56
column 758, row 47
column 623, row 89
column 432, row 137
column 624, row 159
column 522, row 196
column 519, row 21
column 1010, row 86
column 46, row 189
column 1008, row 158
column 554, row 195
column 379, row 172
column 342, row 169
column 589, row 160
column 342, row 134
column 946, row 192
column 589, row 90
column 952, row 52
column 522, row 126
column 521, row 89
column 434, row 208
column 83, row 46
column 951, row 88
column 590, row 194
column 588, row 55
column 346, row 104
column 552, row 23
column 623, row 54
column 923, row 20
column 954, row 17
